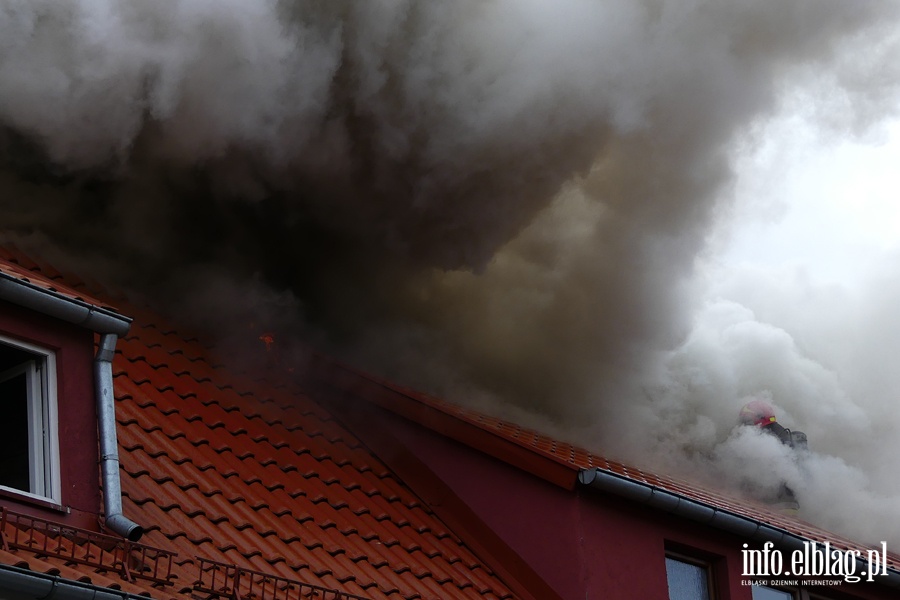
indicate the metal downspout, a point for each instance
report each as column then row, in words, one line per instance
column 681, row 506
column 109, row 446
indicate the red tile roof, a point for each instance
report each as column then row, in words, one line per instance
column 554, row 460
column 221, row 467
column 22, row 268
column 259, row 475
column 224, row 468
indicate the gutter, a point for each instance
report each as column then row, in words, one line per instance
column 22, row 583
column 693, row 510
column 64, row 308
column 110, row 325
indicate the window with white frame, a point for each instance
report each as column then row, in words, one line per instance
column 29, row 455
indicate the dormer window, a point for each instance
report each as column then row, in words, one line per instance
column 56, row 389
column 29, row 454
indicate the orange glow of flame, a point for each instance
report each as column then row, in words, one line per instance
column 268, row 339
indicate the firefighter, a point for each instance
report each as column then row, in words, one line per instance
column 759, row 413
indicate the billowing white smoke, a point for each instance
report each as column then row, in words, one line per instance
column 822, row 355
column 495, row 199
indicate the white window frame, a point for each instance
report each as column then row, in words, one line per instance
column 43, row 421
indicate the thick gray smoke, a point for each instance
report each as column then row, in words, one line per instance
column 498, row 200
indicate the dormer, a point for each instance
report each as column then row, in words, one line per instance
column 59, row 419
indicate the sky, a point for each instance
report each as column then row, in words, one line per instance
column 829, row 208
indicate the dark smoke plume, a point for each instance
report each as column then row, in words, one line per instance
column 498, row 200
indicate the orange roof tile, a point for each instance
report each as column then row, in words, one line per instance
column 279, row 484
column 22, row 268
column 254, row 473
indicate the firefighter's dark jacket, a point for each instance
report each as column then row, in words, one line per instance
column 794, row 439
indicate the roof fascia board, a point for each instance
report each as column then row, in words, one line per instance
column 447, row 505
column 688, row 508
column 357, row 386
column 70, row 310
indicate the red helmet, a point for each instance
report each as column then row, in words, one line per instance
column 757, row 412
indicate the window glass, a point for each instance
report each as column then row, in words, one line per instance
column 14, row 469
column 687, row 581
column 29, row 460
column 761, row 592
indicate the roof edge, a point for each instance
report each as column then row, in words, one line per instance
column 357, row 385
column 64, row 308
column 26, row 583
column 700, row 512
